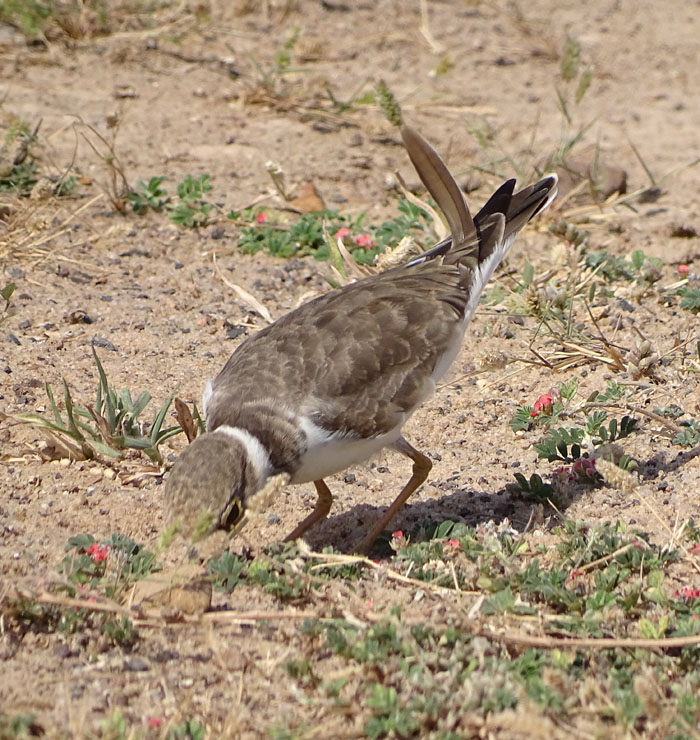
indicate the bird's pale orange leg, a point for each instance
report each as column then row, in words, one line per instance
column 323, row 506
column 421, row 468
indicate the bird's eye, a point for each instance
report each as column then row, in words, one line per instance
column 231, row 514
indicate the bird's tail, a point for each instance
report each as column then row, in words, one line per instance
column 479, row 243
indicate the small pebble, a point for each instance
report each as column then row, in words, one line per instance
column 104, row 343
column 135, row 664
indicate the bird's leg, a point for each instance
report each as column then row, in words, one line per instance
column 421, row 468
column 323, row 506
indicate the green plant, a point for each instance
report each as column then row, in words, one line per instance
column 190, row 729
column 192, row 210
column 227, row 570
column 534, row 489
column 6, row 293
column 305, row 236
column 112, row 564
column 272, row 76
column 690, row 298
column 109, row 427
column 149, row 195
column 29, row 16
column 690, row 436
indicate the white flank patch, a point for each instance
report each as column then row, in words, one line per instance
column 482, row 275
column 257, row 454
column 329, row 453
column 206, row 396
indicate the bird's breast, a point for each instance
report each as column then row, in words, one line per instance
column 329, row 453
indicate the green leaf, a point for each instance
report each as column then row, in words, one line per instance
column 502, row 601
column 691, row 301
column 584, row 83
column 570, row 59
column 7, row 291
column 159, row 418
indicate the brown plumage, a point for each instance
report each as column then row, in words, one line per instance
column 333, row 382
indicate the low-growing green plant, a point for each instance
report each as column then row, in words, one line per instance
column 534, row 489
column 29, row 16
column 690, row 298
column 109, row 427
column 149, row 195
column 305, row 236
column 112, row 564
column 690, row 436
column 227, row 570
column 192, row 210
column 574, row 444
column 272, row 76
column 190, row 729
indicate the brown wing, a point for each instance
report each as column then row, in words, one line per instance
column 368, row 347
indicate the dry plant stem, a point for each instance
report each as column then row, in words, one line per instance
column 244, row 295
column 156, row 620
column 435, row 46
column 599, row 643
column 603, row 560
column 441, row 230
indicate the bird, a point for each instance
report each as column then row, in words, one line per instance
column 332, row 383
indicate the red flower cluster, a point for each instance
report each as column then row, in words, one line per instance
column 97, row 552
column 582, row 470
column 688, row 593
column 262, row 217
column 361, row 240
column 543, row 405
column 398, row 540
column 683, row 269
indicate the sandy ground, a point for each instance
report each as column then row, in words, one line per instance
column 151, row 290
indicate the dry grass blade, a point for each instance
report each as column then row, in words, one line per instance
column 250, row 300
column 547, row 642
column 439, row 225
column 28, row 227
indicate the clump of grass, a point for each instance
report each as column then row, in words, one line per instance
column 109, row 427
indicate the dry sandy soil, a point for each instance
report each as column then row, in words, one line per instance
column 190, row 100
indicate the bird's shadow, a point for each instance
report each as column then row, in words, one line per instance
column 471, row 508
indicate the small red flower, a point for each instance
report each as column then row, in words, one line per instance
column 342, row 232
column 452, row 543
column 362, row 240
column 398, row 540
column 688, row 593
column 584, row 468
column 97, row 552
column 683, row 269
column 154, row 721
column 262, row 217
column 695, row 549
column 544, row 403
